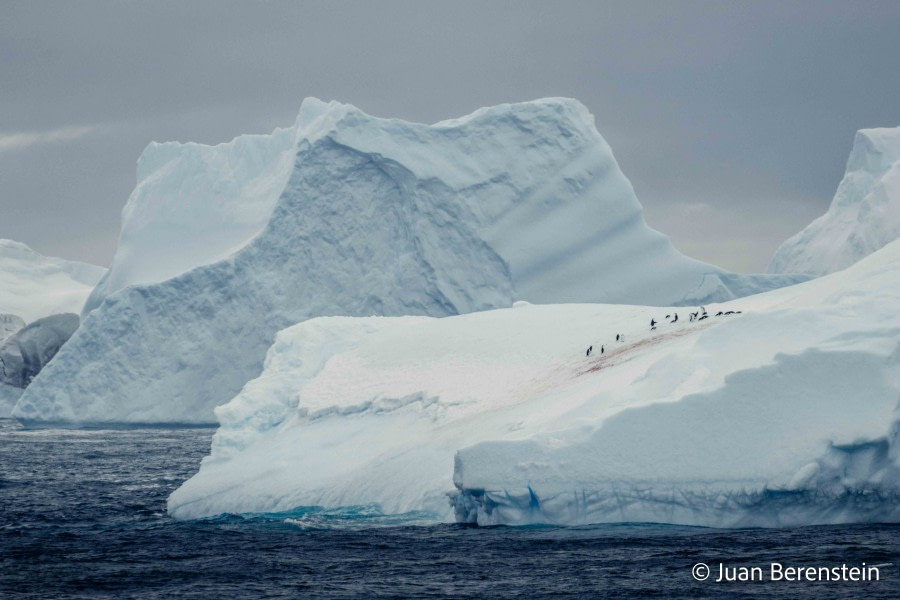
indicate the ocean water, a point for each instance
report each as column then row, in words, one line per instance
column 82, row 515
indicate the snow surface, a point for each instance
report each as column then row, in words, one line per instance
column 34, row 286
column 863, row 217
column 347, row 214
column 782, row 414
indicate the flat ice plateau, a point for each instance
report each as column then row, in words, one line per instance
column 783, row 413
column 347, row 214
column 864, row 214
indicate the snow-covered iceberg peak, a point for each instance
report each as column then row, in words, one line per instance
column 349, row 214
column 864, row 214
column 196, row 204
column 34, row 286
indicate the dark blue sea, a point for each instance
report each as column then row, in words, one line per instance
column 82, row 515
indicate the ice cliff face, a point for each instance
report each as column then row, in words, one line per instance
column 34, row 286
column 863, row 217
column 196, row 205
column 783, row 413
column 347, row 214
column 9, row 395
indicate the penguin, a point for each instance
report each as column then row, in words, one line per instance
column 601, row 349
column 675, row 320
column 588, row 353
column 617, row 337
column 719, row 314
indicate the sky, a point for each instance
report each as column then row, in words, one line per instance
column 733, row 120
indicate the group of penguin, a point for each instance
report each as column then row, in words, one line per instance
column 620, row 337
column 694, row 316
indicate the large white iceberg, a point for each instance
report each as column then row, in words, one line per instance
column 780, row 410
column 864, row 214
column 347, row 214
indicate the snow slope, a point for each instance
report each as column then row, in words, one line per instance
column 863, row 217
column 783, row 413
column 34, row 286
column 347, row 214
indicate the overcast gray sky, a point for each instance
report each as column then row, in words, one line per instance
column 733, row 120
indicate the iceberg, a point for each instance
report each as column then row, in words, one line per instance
column 9, row 324
column 345, row 214
column 775, row 409
column 864, row 214
column 34, row 286
column 25, row 353
column 9, row 395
